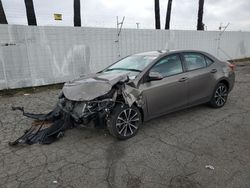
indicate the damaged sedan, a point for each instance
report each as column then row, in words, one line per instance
column 133, row 90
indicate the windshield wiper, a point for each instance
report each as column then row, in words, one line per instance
column 125, row 69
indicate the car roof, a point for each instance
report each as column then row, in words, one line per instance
column 153, row 53
column 165, row 52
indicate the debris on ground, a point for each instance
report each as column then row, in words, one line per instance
column 210, row 167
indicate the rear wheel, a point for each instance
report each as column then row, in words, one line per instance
column 219, row 98
column 124, row 121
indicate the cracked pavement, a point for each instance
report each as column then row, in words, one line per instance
column 170, row 151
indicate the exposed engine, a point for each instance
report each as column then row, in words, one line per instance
column 85, row 111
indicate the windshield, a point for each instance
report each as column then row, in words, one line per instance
column 134, row 64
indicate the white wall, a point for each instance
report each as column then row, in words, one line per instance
column 33, row 56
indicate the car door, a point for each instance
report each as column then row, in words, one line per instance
column 200, row 78
column 168, row 93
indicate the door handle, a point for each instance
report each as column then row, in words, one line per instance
column 213, row 71
column 183, row 79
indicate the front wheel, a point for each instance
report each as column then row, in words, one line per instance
column 219, row 98
column 124, row 121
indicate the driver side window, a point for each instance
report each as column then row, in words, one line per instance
column 168, row 66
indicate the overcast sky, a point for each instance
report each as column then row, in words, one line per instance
column 102, row 13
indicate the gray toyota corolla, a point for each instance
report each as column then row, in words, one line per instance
column 135, row 89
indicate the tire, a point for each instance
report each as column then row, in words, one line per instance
column 124, row 121
column 219, row 97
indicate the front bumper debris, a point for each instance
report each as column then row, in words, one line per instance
column 46, row 128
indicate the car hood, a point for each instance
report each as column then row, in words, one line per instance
column 92, row 86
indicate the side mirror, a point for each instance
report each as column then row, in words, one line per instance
column 154, row 76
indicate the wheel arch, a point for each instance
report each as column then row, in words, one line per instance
column 224, row 81
column 141, row 111
column 221, row 80
column 212, row 102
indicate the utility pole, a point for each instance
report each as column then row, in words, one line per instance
column 219, row 38
column 137, row 25
column 119, row 26
column 223, row 27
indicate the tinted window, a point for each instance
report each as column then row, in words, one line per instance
column 209, row 61
column 168, row 66
column 194, row 61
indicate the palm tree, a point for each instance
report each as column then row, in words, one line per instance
column 31, row 17
column 3, row 19
column 157, row 15
column 77, row 13
column 200, row 25
column 167, row 24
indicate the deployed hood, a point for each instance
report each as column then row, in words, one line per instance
column 92, row 86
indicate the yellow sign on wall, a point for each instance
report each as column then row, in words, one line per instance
column 58, row 16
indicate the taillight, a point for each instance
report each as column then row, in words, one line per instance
column 231, row 66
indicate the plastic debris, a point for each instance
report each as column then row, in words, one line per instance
column 55, row 182
column 209, row 167
column 26, row 94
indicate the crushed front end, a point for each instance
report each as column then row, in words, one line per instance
column 81, row 101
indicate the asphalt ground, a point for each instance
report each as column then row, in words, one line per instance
column 170, row 151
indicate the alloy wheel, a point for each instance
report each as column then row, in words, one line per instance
column 220, row 95
column 127, row 122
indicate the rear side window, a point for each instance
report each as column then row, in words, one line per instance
column 194, row 61
column 208, row 60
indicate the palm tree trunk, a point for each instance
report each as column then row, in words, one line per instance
column 157, row 15
column 31, row 17
column 77, row 13
column 3, row 19
column 200, row 25
column 168, row 16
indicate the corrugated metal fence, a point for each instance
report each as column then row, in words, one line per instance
column 34, row 56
